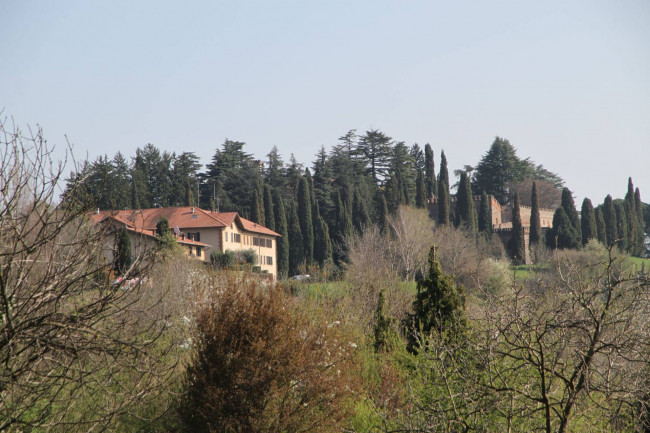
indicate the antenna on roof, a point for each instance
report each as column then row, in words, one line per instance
column 177, row 231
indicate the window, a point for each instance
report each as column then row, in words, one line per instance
column 256, row 241
column 194, row 236
column 269, row 243
column 236, row 238
column 267, row 260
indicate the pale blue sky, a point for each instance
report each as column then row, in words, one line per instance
column 554, row 77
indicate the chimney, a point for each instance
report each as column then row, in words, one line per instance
column 192, row 209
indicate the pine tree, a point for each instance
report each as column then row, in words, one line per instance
column 517, row 244
column 189, row 197
column 282, row 243
column 269, row 214
column 439, row 306
column 570, row 209
column 609, row 215
column 465, row 210
column 443, row 203
column 600, row 226
column 296, row 245
column 429, row 171
column 420, row 191
column 485, row 215
column 304, row 215
column 122, row 259
column 535, row 236
column 588, row 222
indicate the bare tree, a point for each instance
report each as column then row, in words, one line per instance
column 75, row 351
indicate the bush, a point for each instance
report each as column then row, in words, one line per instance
column 261, row 364
column 223, row 260
column 246, row 257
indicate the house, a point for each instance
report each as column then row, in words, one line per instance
column 201, row 231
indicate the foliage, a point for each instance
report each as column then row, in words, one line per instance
column 517, row 246
column 535, row 236
column 465, row 210
column 222, row 260
column 588, row 222
column 123, row 259
column 562, row 235
column 485, row 215
column 262, row 364
column 282, row 243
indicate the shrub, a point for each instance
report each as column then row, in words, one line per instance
column 222, row 260
column 261, row 364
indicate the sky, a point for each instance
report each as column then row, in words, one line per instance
column 567, row 82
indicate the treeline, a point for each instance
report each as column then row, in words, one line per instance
column 360, row 180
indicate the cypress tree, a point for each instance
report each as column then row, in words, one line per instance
column 570, row 209
column 382, row 324
column 429, row 171
column 588, row 221
column 269, row 214
column 420, row 191
column 485, row 215
column 189, row 197
column 296, row 246
column 443, row 203
column 439, row 306
column 282, row 244
column 360, row 217
column 394, row 196
column 465, row 210
column 382, row 211
column 517, row 244
column 535, row 236
column 322, row 242
column 443, row 176
column 600, row 226
column 122, row 259
column 562, row 235
column 609, row 215
column 257, row 206
column 304, row 216
column 632, row 220
column 345, row 229
column 135, row 202
column 622, row 228
column 638, row 206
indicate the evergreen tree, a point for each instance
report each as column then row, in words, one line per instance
column 439, row 306
column 382, row 324
column 274, row 171
column 600, row 226
column 638, row 206
column 485, row 215
column 257, row 208
column 282, row 243
column 189, row 197
column 588, row 222
column 562, row 235
column 517, row 246
column 632, row 221
column 622, row 228
column 570, row 209
column 296, row 245
column 360, row 217
column 269, row 214
column 393, row 193
column 322, row 242
column 375, row 148
column 164, row 236
column 382, row 211
column 465, row 210
column 420, row 191
column 135, row 202
column 443, row 175
column 345, row 229
column 429, row 171
column 304, row 216
column 609, row 215
column 443, row 203
column 122, row 259
column 535, row 236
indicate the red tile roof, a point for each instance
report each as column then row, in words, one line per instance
column 188, row 217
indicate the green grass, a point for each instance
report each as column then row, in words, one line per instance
column 523, row 272
column 640, row 263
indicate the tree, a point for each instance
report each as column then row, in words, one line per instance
column 443, row 175
column 303, row 200
column 382, row 211
column 443, row 203
column 382, row 324
column 622, row 229
column 588, row 222
column 76, row 354
column 393, row 193
column 264, row 365
column 257, row 205
column 296, row 244
column 562, row 235
column 600, row 226
column 465, row 210
column 269, row 214
column 282, row 243
column 164, row 236
column 420, row 191
column 485, row 215
column 376, row 148
column 429, row 171
column 609, row 215
column 439, row 306
column 535, row 236
column 570, row 209
column 123, row 259
column 360, row 217
column 517, row 246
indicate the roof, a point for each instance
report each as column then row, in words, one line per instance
column 187, row 217
column 152, row 233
